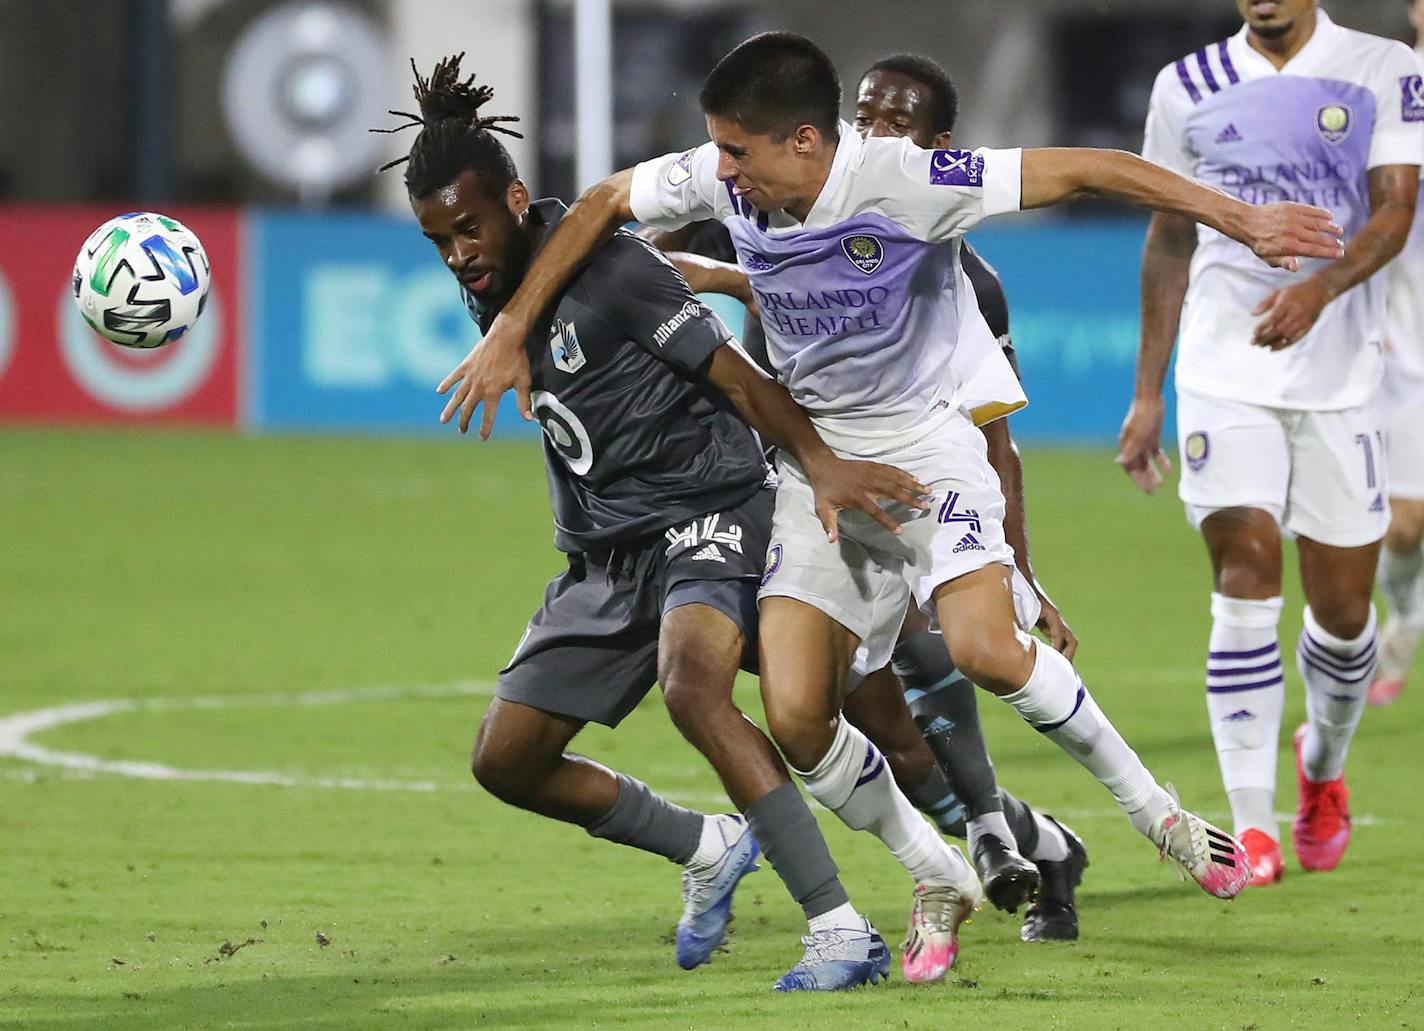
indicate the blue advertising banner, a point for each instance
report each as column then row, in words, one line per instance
column 354, row 323
column 1072, row 288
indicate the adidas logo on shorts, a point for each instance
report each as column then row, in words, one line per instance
column 1228, row 135
column 968, row 543
column 709, row 554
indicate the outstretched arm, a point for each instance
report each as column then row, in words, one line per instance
column 710, row 276
column 1004, row 457
column 1278, row 234
column 497, row 363
column 1291, row 311
column 1166, row 262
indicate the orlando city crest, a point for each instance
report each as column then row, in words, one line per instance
column 1332, row 121
column 864, row 252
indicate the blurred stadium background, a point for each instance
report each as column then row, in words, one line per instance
column 215, row 574
column 330, row 313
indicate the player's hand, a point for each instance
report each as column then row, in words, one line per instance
column 1290, row 312
column 1054, row 627
column 496, row 365
column 1280, row 234
column 1139, row 444
column 839, row 484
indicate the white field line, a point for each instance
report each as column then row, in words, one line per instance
column 15, row 731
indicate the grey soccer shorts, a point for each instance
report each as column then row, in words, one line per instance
column 591, row 651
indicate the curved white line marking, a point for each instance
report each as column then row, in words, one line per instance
column 16, row 730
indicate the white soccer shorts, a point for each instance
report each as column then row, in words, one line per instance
column 1402, row 404
column 866, row 579
column 1320, row 474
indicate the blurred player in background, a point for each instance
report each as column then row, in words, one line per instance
column 911, row 95
column 664, row 518
column 1277, row 380
column 816, row 212
column 1401, row 569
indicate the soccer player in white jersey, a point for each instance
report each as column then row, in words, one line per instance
column 852, row 248
column 1401, row 569
column 1276, row 383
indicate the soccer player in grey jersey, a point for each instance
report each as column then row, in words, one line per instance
column 661, row 503
column 817, row 213
column 911, row 95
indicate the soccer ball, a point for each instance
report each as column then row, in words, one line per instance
column 141, row 280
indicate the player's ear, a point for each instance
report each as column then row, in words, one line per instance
column 805, row 138
column 516, row 198
column 941, row 140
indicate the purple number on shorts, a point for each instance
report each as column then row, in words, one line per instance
column 1363, row 439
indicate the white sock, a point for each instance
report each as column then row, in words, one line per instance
column 853, row 781
column 1400, row 580
column 1337, row 674
column 843, row 915
column 718, row 833
column 989, row 823
column 1057, row 705
column 1052, row 846
column 1245, row 696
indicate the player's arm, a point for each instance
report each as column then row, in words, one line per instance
column 498, row 364
column 1166, row 263
column 710, row 276
column 1279, row 234
column 1004, row 456
column 838, row 483
column 1291, row 311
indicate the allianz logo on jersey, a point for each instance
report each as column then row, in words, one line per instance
column 690, row 310
column 564, row 346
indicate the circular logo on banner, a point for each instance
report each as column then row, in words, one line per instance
column 138, row 381
column 7, row 325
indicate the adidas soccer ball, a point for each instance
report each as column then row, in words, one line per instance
column 141, row 280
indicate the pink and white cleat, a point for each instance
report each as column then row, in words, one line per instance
column 1398, row 644
column 1206, row 854
column 932, row 943
column 1322, row 819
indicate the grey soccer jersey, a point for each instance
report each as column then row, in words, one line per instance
column 635, row 439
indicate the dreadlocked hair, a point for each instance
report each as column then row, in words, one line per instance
column 453, row 136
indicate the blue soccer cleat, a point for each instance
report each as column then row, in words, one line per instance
column 843, row 957
column 707, row 896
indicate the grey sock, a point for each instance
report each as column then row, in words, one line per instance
column 943, row 703
column 937, row 800
column 790, row 839
column 650, row 822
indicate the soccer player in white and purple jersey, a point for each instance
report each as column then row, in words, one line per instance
column 1276, row 383
column 1401, row 570
column 852, row 247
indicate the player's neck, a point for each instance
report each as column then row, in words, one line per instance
column 1280, row 49
column 801, row 207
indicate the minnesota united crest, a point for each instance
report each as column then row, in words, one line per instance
column 1332, row 121
column 864, row 252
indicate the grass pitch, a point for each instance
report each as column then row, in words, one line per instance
column 309, row 628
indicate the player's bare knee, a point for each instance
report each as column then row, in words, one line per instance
column 1406, row 527
column 803, row 730
column 697, row 690
column 1345, row 618
column 996, row 658
column 505, row 761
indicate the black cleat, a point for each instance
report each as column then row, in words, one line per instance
column 1054, row 918
column 1009, row 879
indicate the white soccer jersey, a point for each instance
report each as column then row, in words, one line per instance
column 863, row 303
column 1405, row 276
column 1346, row 103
